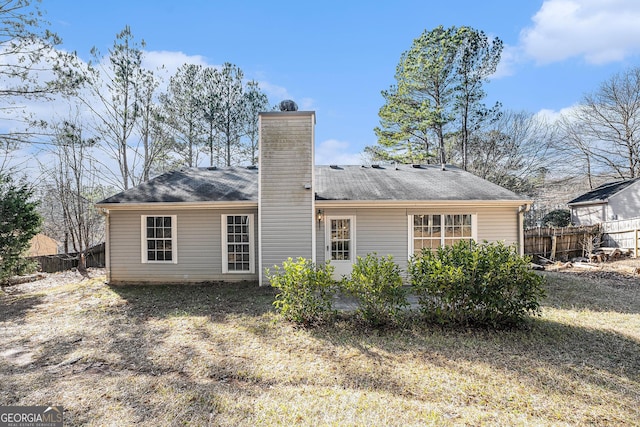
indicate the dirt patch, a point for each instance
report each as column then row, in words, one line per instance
column 42, row 281
column 624, row 273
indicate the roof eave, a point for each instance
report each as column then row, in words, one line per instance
column 589, row 202
column 420, row 203
column 176, row 205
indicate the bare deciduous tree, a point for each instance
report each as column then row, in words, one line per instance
column 513, row 152
column 31, row 69
column 71, row 189
column 575, row 147
column 604, row 130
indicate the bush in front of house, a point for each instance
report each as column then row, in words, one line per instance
column 306, row 290
column 376, row 283
column 487, row 284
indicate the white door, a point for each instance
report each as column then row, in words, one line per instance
column 340, row 238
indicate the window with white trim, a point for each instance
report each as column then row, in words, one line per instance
column 237, row 244
column 431, row 231
column 340, row 239
column 159, row 239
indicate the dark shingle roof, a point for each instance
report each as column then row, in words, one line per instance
column 231, row 184
column 602, row 193
column 356, row 183
column 405, row 182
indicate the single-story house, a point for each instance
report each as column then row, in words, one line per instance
column 42, row 244
column 608, row 202
column 232, row 223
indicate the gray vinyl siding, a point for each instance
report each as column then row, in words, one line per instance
column 625, row 204
column 382, row 231
column 199, row 248
column 589, row 214
column 286, row 206
column 498, row 224
column 386, row 230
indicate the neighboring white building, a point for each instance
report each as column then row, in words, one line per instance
column 611, row 201
column 230, row 224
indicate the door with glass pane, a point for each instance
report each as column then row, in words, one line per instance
column 340, row 238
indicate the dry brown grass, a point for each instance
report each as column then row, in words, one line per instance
column 218, row 355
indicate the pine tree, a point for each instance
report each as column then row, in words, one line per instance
column 19, row 222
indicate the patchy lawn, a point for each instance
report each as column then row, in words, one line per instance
column 219, row 355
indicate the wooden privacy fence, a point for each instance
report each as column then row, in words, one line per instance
column 622, row 234
column 94, row 257
column 560, row 243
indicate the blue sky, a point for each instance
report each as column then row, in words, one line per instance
column 335, row 57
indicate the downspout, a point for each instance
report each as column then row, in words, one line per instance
column 314, row 236
column 260, row 270
column 521, row 210
column 107, row 244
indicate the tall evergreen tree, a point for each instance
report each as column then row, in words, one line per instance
column 116, row 82
column 19, row 222
column 478, row 59
column 155, row 143
column 210, row 112
column 438, row 80
column 182, row 111
column 255, row 102
column 231, row 113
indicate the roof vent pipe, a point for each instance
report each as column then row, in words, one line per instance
column 444, row 166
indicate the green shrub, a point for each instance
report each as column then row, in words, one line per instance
column 306, row 291
column 557, row 218
column 476, row 283
column 377, row 285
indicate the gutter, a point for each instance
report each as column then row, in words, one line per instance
column 175, row 205
column 419, row 203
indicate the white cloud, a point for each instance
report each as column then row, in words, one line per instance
column 550, row 116
column 169, row 61
column 508, row 61
column 274, row 92
column 334, row 152
column 598, row 31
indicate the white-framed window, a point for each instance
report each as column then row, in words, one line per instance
column 159, row 239
column 341, row 238
column 237, row 243
column 431, row 231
